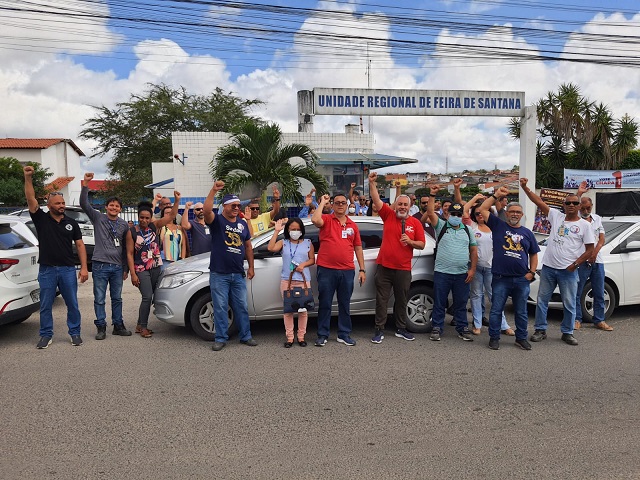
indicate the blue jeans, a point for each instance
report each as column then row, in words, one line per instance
column 480, row 284
column 229, row 288
column 103, row 274
column 331, row 281
column 64, row 279
column 443, row 283
column 568, row 283
column 596, row 274
column 518, row 289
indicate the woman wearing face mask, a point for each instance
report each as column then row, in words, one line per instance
column 481, row 282
column 352, row 209
column 297, row 256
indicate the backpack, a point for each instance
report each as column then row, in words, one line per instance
column 443, row 231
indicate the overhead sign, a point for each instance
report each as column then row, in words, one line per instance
column 389, row 102
column 602, row 178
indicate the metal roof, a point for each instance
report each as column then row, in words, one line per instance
column 374, row 160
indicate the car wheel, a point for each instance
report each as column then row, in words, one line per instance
column 586, row 302
column 201, row 318
column 419, row 308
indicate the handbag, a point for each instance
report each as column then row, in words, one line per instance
column 298, row 298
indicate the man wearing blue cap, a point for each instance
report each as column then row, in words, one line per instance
column 230, row 245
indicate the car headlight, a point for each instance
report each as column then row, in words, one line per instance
column 178, row 279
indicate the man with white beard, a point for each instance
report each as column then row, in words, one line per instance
column 514, row 264
column 401, row 234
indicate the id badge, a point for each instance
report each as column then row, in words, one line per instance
column 292, row 267
column 116, row 241
column 206, row 230
column 344, row 234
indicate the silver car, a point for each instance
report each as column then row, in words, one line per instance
column 183, row 296
column 621, row 257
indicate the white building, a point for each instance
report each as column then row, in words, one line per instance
column 60, row 155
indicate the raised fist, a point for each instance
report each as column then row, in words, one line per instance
column 434, row 189
column 187, row 205
column 28, row 171
column 218, row 185
column 457, row 182
column 88, row 176
column 373, row 177
column 353, row 184
column 523, row 182
column 325, row 198
column 177, row 195
column 158, row 197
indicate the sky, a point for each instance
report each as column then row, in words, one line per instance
column 60, row 58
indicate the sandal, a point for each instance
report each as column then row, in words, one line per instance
column 288, row 344
column 145, row 333
column 139, row 329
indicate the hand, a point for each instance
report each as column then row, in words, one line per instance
column 470, row 274
column 87, row 178
column 124, row 275
column 308, row 200
column 250, row 273
column 583, row 188
column 434, row 189
column 572, row 267
column 218, row 185
column 276, row 192
column 158, row 197
column 592, row 259
column 361, row 278
column 325, row 199
column 177, row 196
column 478, row 197
column 529, row 276
column 457, row 182
column 353, row 185
column 28, row 171
column 188, row 205
column 373, row 177
column 502, row 192
column 83, row 275
column 280, row 225
column 300, row 269
column 404, row 239
column 247, row 212
column 523, row 182
column 135, row 281
column 397, row 183
column 313, row 190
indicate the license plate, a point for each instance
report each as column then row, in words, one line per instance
column 35, row 295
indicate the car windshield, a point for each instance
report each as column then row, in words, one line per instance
column 78, row 215
column 11, row 240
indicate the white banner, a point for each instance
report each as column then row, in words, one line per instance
column 381, row 102
column 602, row 178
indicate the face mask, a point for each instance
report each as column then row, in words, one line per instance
column 585, row 215
column 295, row 234
column 454, row 221
column 352, row 210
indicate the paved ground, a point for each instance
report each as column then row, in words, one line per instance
column 169, row 407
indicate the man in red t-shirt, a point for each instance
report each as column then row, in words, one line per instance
column 339, row 238
column 400, row 235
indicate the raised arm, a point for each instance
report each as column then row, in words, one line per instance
column 185, row 223
column 431, row 215
column 353, row 185
column 173, row 213
column 457, row 196
column 91, row 212
column 29, row 192
column 275, row 201
column 544, row 208
column 208, row 203
column 275, row 245
column 582, row 189
column 469, row 205
column 485, row 208
column 373, row 191
column 316, row 218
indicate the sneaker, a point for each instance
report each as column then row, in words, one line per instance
column 347, row 340
column 251, row 342
column 494, row 343
column 217, row 346
column 76, row 341
column 402, row 333
column 523, row 344
column 538, row 336
column 102, row 332
column 603, row 326
column 435, row 335
column 377, row 336
column 465, row 335
column 569, row 339
column 508, row 332
column 577, row 324
column 44, row 342
column 121, row 330
column 321, row 341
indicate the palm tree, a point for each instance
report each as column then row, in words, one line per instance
column 257, row 156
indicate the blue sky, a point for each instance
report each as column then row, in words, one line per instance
column 59, row 57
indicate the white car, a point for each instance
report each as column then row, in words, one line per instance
column 19, row 288
column 621, row 256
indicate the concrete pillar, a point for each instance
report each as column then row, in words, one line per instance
column 528, row 161
column 305, row 111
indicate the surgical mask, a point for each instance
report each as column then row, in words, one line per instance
column 352, row 209
column 295, row 234
column 455, row 221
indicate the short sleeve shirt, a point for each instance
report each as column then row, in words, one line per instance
column 337, row 243
column 261, row 223
column 55, row 239
column 227, row 245
column 596, row 226
column 393, row 254
column 453, row 248
column 566, row 240
column 511, row 248
column 200, row 238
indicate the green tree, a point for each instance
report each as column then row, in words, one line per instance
column 632, row 161
column 12, row 180
column 138, row 132
column 257, row 156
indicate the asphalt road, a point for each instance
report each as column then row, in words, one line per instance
column 169, row 407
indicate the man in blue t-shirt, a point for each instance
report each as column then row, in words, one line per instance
column 515, row 259
column 230, row 245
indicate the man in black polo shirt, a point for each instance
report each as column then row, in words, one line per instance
column 56, row 232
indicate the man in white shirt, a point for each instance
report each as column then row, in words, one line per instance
column 570, row 244
column 593, row 268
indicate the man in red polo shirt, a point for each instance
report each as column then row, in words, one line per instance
column 400, row 235
column 339, row 238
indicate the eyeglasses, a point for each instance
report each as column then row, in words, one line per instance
column 254, row 208
column 424, row 203
column 477, row 214
column 197, row 209
column 339, row 203
column 234, row 206
column 455, row 214
column 572, row 203
column 514, row 212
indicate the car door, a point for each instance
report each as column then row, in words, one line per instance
column 363, row 300
column 630, row 260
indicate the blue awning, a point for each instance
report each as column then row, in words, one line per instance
column 159, row 184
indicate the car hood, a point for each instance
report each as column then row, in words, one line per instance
column 196, row 263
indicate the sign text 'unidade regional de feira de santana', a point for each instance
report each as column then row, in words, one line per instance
column 354, row 101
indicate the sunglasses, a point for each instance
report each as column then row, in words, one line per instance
column 234, row 206
column 455, row 214
column 197, row 209
column 572, row 203
column 339, row 203
column 478, row 214
column 254, row 208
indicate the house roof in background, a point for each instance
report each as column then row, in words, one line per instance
column 58, row 184
column 37, row 143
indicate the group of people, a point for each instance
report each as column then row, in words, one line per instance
column 481, row 249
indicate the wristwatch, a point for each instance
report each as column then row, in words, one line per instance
column 362, row 270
